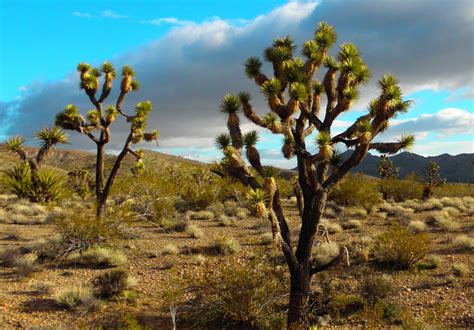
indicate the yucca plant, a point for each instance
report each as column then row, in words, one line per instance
column 26, row 180
column 257, row 202
column 294, row 98
column 434, row 179
column 99, row 120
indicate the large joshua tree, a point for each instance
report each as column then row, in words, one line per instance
column 100, row 120
column 294, row 98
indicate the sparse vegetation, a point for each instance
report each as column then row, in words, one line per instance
column 227, row 245
column 98, row 256
column 111, row 283
column 78, row 297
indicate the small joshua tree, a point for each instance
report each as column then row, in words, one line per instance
column 386, row 171
column 434, row 180
column 294, row 99
column 100, row 120
column 37, row 188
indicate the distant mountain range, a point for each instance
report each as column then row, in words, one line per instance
column 459, row 168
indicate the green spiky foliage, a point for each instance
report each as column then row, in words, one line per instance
column 34, row 180
column 81, row 182
column 96, row 124
column 433, row 180
column 294, row 97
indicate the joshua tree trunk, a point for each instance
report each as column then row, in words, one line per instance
column 299, row 294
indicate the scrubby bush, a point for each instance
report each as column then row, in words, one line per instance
column 460, row 269
column 417, row 226
column 199, row 259
column 98, row 256
column 41, row 287
column 26, row 264
column 111, row 283
column 443, row 220
column 375, row 288
column 331, row 226
column 353, row 212
column 200, row 215
column 227, row 245
column 431, row 262
column 356, row 190
column 78, row 297
column 429, row 205
column 266, row 238
column 464, row 242
column 352, row 224
column 237, row 296
column 325, row 252
column 170, row 249
column 400, row 190
column 223, row 220
column 399, row 248
column 193, row 231
column 402, row 215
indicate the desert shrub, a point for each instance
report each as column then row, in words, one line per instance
column 354, row 212
column 266, row 238
column 80, row 229
column 199, row 260
column 455, row 190
column 375, row 288
column 460, row 269
column 325, row 252
column 198, row 190
column 352, row 224
column 399, row 248
column 227, row 245
column 111, row 283
column 329, row 212
column 200, row 215
column 331, row 226
column 41, row 287
column 48, row 186
column 224, row 221
column 417, row 226
column 463, row 242
column 78, row 297
column 429, row 205
column 347, row 304
column 98, row 256
column 170, row 249
column 238, row 296
column 443, row 220
column 400, row 190
column 26, row 264
column 193, row 231
column 400, row 213
column 454, row 202
column 431, row 262
column 356, row 190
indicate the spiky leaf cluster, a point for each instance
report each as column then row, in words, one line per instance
column 52, row 135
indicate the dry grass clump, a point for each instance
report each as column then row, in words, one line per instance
column 111, row 283
column 410, row 204
column 41, row 287
column 199, row 260
column 443, row 220
column 431, row 262
column 98, row 256
column 78, row 297
column 402, row 214
column 266, row 238
column 242, row 213
column 460, row 269
column 200, row 215
column 193, row 231
column 26, row 264
column 454, row 202
column 429, row 205
column 417, row 226
column 376, row 288
column 399, row 248
column 224, row 221
column 332, row 227
column 329, row 213
column 464, row 242
column 352, row 224
column 325, row 252
column 354, row 212
column 227, row 245
column 170, row 249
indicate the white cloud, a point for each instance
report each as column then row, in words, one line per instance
column 434, row 148
column 167, row 20
column 112, row 14
column 81, row 14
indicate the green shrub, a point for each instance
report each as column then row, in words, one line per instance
column 111, row 283
column 48, row 187
column 356, row 190
column 376, row 288
column 227, row 245
column 267, row 238
column 77, row 297
column 238, row 296
column 432, row 262
column 98, row 256
column 399, row 248
column 401, row 190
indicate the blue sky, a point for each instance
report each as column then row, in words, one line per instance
column 188, row 54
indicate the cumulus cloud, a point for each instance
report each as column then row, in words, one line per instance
column 186, row 73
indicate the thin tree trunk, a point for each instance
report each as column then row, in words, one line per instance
column 299, row 294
